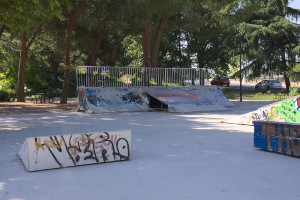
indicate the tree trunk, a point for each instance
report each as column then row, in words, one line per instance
column 284, row 70
column 287, row 82
column 159, row 32
column 54, row 65
column 114, row 52
column 147, row 52
column 22, row 63
column 21, row 72
column 97, row 46
column 147, row 43
column 2, row 30
column 65, row 89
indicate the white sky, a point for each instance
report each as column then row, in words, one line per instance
column 295, row 4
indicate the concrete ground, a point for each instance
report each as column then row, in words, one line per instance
column 174, row 156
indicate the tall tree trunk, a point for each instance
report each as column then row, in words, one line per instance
column 155, row 47
column 147, row 43
column 285, row 69
column 2, row 30
column 287, row 81
column 22, row 63
column 97, row 46
column 147, row 38
column 21, row 72
column 54, row 65
column 65, row 89
column 115, row 50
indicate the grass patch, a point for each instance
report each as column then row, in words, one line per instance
column 260, row 96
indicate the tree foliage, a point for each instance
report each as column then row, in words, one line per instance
column 158, row 33
column 271, row 39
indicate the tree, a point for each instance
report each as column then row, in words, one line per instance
column 271, row 38
column 71, row 22
column 24, row 18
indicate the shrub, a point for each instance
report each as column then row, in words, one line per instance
column 294, row 91
column 6, row 94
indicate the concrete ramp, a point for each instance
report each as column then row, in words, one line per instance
column 99, row 100
column 287, row 110
column 171, row 99
column 176, row 99
column 212, row 93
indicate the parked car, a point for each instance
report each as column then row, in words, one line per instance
column 220, row 81
column 268, row 84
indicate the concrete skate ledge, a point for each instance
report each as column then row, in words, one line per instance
column 50, row 152
column 279, row 137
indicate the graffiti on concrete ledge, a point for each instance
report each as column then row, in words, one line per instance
column 97, row 100
column 261, row 115
column 277, row 137
column 287, row 111
column 80, row 149
column 132, row 98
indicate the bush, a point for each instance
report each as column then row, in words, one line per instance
column 6, row 94
column 294, row 91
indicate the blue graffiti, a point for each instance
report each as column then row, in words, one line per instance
column 260, row 141
column 274, row 143
column 282, row 130
column 267, row 136
column 95, row 99
column 284, row 147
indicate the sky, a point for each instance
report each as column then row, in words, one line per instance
column 295, row 4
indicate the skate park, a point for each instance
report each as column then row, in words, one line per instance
column 174, row 155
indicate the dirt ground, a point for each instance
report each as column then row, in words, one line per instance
column 32, row 107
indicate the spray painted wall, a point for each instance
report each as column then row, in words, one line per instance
column 97, row 100
column 181, row 101
column 284, row 111
column 39, row 153
column 211, row 93
column 178, row 99
column 277, row 137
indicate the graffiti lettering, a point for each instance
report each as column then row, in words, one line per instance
column 132, row 98
column 288, row 111
column 277, row 137
column 260, row 116
column 91, row 148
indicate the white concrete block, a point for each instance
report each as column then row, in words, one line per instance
column 49, row 152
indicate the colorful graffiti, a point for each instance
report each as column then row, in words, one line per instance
column 283, row 111
column 81, row 149
column 97, row 100
column 286, row 112
column 81, row 100
column 277, row 137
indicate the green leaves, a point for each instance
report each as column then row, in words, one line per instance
column 20, row 15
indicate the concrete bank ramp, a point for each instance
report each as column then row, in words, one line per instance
column 171, row 99
column 212, row 93
column 287, row 110
column 99, row 100
column 178, row 99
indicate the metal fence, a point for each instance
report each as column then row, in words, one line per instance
column 95, row 76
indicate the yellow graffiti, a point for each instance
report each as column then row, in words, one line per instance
column 38, row 144
column 273, row 115
column 49, row 144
